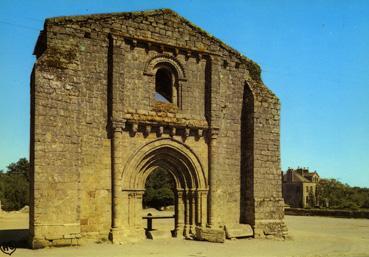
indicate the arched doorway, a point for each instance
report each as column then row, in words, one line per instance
column 190, row 185
column 159, row 204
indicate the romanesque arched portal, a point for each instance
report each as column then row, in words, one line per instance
column 190, row 185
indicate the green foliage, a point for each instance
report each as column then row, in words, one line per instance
column 366, row 204
column 14, row 185
column 342, row 196
column 158, row 191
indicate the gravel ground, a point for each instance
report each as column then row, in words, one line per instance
column 308, row 236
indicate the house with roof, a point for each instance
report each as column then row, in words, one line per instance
column 299, row 187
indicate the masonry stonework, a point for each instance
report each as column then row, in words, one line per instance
column 98, row 130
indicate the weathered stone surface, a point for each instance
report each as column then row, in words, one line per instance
column 98, row 129
column 238, row 230
column 214, row 235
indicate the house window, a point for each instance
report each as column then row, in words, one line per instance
column 165, row 85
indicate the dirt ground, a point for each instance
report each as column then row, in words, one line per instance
column 308, row 236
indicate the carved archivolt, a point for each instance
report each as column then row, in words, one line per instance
column 152, row 64
column 170, row 154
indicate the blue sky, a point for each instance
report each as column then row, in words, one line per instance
column 314, row 56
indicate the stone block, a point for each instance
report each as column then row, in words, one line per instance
column 64, row 242
column 214, row 235
column 238, row 230
column 36, row 243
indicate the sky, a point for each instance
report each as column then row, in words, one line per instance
column 314, row 55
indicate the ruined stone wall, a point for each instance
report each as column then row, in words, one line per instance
column 56, row 147
column 249, row 173
column 267, row 179
column 95, row 165
column 229, row 144
column 71, row 146
column 92, row 70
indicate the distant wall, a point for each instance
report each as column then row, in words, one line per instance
column 362, row 214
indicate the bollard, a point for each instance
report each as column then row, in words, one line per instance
column 149, row 222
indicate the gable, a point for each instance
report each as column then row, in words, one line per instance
column 160, row 26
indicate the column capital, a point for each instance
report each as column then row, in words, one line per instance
column 214, row 59
column 118, row 125
column 213, row 133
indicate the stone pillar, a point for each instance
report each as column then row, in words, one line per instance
column 115, row 105
column 180, row 213
column 201, row 207
column 179, row 94
column 212, row 186
column 213, row 115
column 192, row 202
column 187, row 214
column 117, row 226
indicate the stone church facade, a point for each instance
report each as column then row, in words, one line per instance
column 99, row 129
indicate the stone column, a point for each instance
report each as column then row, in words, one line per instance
column 201, row 207
column 187, row 213
column 139, row 225
column 192, row 205
column 204, row 207
column 117, row 226
column 180, row 213
column 115, row 104
column 180, row 93
column 213, row 116
column 195, row 202
column 212, row 187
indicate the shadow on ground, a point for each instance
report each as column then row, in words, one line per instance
column 18, row 237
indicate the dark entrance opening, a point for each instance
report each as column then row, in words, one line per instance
column 159, row 204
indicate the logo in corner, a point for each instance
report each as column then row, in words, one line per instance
column 8, row 247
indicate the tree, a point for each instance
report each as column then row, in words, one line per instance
column 342, row 196
column 14, row 185
column 22, row 167
column 365, row 204
column 159, row 191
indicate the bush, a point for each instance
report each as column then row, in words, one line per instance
column 14, row 185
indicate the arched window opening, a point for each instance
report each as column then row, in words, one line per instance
column 164, row 86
